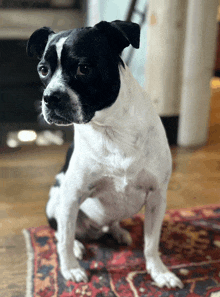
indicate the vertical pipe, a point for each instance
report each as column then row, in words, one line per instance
column 165, row 37
column 199, row 54
column 93, row 12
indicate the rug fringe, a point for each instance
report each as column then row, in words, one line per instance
column 30, row 264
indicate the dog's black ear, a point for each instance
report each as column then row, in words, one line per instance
column 37, row 42
column 120, row 34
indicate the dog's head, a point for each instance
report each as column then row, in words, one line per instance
column 80, row 68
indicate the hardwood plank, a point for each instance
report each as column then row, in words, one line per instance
column 25, row 178
column 12, row 266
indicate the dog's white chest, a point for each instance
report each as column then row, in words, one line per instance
column 114, row 198
column 120, row 184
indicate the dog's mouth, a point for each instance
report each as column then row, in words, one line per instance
column 66, row 115
column 57, row 118
column 61, row 121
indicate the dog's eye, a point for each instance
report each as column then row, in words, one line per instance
column 43, row 70
column 83, row 70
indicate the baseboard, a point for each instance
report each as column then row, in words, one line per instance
column 171, row 127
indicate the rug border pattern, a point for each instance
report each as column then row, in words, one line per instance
column 30, row 263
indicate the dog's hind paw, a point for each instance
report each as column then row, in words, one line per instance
column 78, row 249
column 75, row 274
column 121, row 235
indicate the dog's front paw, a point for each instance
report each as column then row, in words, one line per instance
column 168, row 279
column 77, row 274
column 161, row 275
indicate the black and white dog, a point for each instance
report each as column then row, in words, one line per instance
column 121, row 159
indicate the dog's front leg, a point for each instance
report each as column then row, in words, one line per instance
column 69, row 203
column 154, row 214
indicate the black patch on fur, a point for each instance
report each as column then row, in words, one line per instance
column 53, row 223
column 120, row 34
column 68, row 157
column 50, row 59
column 37, row 42
column 57, row 184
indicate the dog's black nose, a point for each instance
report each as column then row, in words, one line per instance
column 54, row 99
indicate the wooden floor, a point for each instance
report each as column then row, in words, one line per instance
column 27, row 173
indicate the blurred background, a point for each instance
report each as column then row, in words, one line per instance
column 178, row 64
column 179, row 42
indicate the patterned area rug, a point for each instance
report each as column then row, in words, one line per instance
column 190, row 247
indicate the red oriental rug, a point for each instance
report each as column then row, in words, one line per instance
column 190, row 247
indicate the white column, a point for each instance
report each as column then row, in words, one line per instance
column 199, row 54
column 165, row 36
column 93, row 12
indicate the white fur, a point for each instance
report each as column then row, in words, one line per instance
column 121, row 162
column 59, row 47
column 75, row 100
